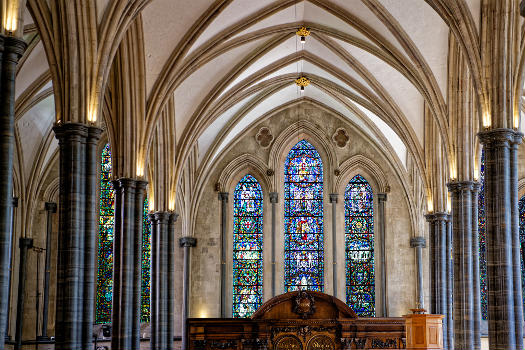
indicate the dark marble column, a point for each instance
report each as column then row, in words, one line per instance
column 516, row 242
column 450, row 285
column 71, row 234
column 381, row 201
column 475, row 266
column 223, row 197
column 439, row 264
column 126, row 256
column 12, row 235
column 171, row 279
column 274, row 199
column 419, row 243
column 333, row 200
column 25, row 244
column 503, row 323
column 140, row 193
column 461, row 196
column 11, row 49
column 160, row 332
column 51, row 208
column 91, row 230
column 186, row 243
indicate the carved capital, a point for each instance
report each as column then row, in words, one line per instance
column 187, row 241
column 274, row 197
column 497, row 137
column 161, row 217
column 14, row 48
column 70, row 131
column 94, row 134
column 418, row 242
column 382, row 197
column 438, row 216
column 223, row 196
column 461, row 186
column 334, row 197
column 50, row 206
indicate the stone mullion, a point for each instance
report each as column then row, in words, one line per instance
column 72, row 138
column 140, row 192
column 515, row 227
column 159, row 281
column 123, row 264
column 438, row 269
column 463, row 267
column 11, row 49
column 274, row 199
column 186, row 243
column 333, row 201
column 475, row 267
column 500, row 280
column 381, row 201
column 91, row 230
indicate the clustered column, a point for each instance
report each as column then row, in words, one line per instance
column 11, row 49
column 464, row 279
column 77, row 235
column 475, row 266
column 127, row 243
column 186, row 243
column 439, row 271
column 162, row 279
column 505, row 319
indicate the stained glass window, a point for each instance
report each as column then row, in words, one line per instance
column 303, row 219
column 247, row 247
column 105, row 241
column 104, row 292
column 359, row 243
column 482, row 237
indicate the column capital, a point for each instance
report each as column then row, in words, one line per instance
column 187, row 241
column 476, row 186
column 64, row 131
column 26, row 242
column 438, row 216
column 381, row 197
column 141, row 185
column 418, row 242
column 223, row 196
column 124, row 182
column 461, row 186
column 502, row 137
column 160, row 217
column 274, row 197
column 50, row 206
column 334, row 197
column 94, row 133
column 16, row 46
column 173, row 217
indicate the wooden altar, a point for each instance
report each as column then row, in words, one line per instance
column 298, row 321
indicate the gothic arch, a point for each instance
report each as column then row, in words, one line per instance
column 366, row 167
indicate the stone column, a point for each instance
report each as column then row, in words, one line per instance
column 25, row 244
column 274, row 199
column 504, row 325
column 161, row 335
column 140, row 193
column 419, row 243
column 12, row 235
column 51, row 208
column 333, row 200
column 123, row 264
column 439, row 264
column 461, row 196
column 171, row 279
column 11, row 49
column 381, row 201
column 223, row 197
column 186, row 243
column 475, row 266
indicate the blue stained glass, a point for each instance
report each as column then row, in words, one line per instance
column 359, row 243
column 104, row 292
column 303, row 219
column 247, row 247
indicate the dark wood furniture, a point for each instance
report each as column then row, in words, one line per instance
column 298, row 321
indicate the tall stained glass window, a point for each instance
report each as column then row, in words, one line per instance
column 359, row 244
column 303, row 219
column 482, row 237
column 247, row 247
column 104, row 293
